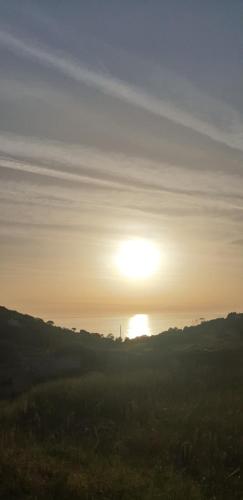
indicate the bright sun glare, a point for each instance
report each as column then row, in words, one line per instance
column 138, row 258
column 138, row 325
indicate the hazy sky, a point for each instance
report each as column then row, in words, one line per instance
column 121, row 119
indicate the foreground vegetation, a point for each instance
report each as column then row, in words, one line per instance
column 157, row 418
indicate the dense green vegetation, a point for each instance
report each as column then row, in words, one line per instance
column 85, row 417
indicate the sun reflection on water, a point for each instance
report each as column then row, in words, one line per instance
column 138, row 326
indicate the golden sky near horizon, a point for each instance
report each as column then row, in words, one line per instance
column 108, row 136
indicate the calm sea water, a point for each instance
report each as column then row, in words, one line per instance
column 135, row 325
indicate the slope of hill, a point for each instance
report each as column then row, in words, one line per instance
column 32, row 350
column 152, row 418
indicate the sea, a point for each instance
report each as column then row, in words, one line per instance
column 135, row 325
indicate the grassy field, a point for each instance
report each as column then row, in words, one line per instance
column 155, row 424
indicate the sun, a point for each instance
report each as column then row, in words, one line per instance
column 137, row 258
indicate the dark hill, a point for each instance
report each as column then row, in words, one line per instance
column 32, row 351
column 145, row 419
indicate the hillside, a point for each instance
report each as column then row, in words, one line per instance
column 32, row 350
column 85, row 417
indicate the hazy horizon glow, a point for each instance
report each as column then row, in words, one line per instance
column 121, row 122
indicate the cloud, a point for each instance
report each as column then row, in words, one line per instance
column 90, row 168
column 57, row 174
column 92, row 179
column 196, row 210
column 237, row 242
column 82, row 229
column 231, row 136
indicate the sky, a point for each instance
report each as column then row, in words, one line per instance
column 121, row 120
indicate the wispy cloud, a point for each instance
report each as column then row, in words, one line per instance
column 58, row 174
column 78, row 228
column 238, row 242
column 72, row 163
column 232, row 136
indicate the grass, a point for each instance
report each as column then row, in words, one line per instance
column 144, row 435
column 92, row 418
